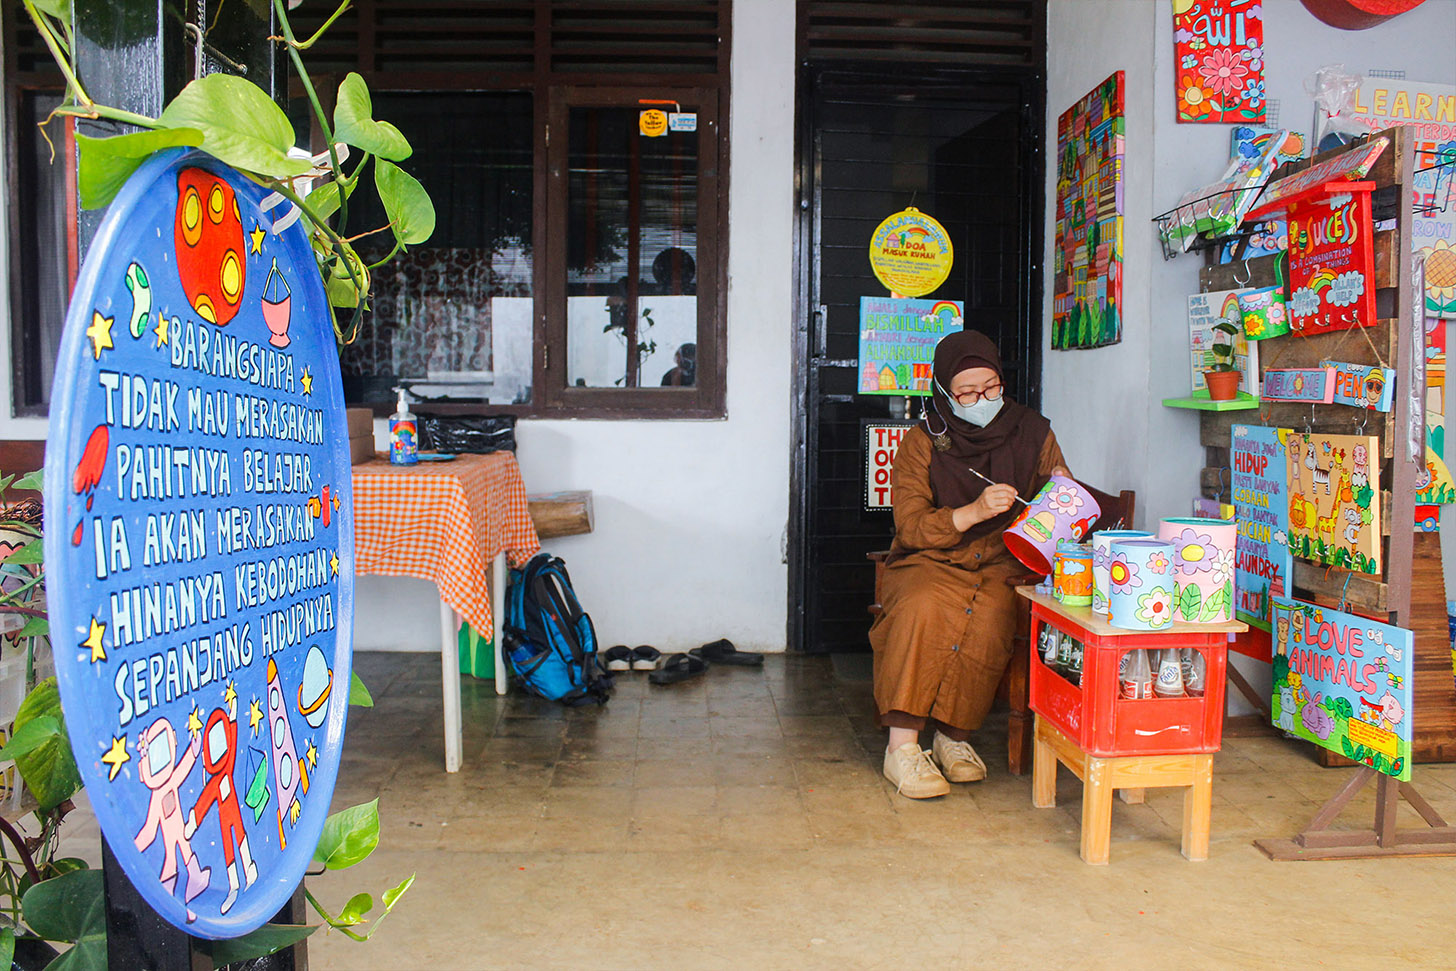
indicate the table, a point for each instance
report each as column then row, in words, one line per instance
column 444, row 522
column 1112, row 743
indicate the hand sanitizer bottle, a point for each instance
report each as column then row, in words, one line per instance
column 403, row 433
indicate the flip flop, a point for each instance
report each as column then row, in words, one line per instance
column 722, row 651
column 678, row 667
column 618, row 658
column 645, row 657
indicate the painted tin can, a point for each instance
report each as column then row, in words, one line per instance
column 1072, row 575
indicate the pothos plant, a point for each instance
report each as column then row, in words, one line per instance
column 61, row 900
column 235, row 121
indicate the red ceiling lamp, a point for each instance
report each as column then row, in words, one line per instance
column 1358, row 14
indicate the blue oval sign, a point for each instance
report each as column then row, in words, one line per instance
column 200, row 542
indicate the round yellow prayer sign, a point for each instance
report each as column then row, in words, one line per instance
column 911, row 253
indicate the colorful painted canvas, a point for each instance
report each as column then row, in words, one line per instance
column 1263, row 567
column 1087, row 250
column 1312, row 384
column 1331, row 263
column 897, row 338
column 1334, row 499
column 1343, row 682
column 1204, row 311
column 1218, row 47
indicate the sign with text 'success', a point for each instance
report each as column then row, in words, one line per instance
column 200, row 543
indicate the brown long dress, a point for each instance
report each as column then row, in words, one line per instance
column 943, row 638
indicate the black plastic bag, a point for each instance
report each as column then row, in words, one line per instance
column 479, row 434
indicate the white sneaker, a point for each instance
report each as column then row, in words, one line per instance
column 914, row 775
column 957, row 760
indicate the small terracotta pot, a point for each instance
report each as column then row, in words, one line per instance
column 1222, row 385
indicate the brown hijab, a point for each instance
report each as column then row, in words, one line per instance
column 1006, row 450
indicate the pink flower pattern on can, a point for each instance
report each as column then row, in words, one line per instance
column 1064, row 499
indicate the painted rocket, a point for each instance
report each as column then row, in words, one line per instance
column 290, row 776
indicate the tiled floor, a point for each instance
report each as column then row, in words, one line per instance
column 740, row 821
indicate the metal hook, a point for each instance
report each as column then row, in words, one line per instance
column 1360, row 425
column 1248, row 275
column 201, row 46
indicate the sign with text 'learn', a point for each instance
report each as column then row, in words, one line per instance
column 200, row 542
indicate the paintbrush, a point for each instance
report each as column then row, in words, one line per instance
column 990, row 481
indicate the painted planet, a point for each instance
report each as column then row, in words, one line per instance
column 314, row 690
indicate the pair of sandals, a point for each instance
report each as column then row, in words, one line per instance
column 681, row 667
column 644, row 657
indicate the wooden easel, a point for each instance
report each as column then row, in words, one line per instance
column 1399, row 335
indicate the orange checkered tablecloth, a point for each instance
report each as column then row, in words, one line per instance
column 443, row 522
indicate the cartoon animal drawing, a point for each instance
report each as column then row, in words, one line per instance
column 1352, row 531
column 157, row 747
column 219, row 754
column 1316, row 720
column 1360, row 478
column 1301, row 512
column 1391, row 710
column 1281, row 642
column 1286, row 708
column 1292, row 448
column 1326, row 524
column 1343, row 492
column 1320, row 474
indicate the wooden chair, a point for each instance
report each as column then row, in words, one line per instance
column 1015, row 686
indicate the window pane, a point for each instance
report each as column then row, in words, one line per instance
column 631, row 277
column 453, row 318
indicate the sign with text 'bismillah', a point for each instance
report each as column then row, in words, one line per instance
column 200, row 542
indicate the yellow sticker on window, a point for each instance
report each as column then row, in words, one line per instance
column 652, row 122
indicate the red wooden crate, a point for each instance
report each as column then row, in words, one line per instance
column 1105, row 724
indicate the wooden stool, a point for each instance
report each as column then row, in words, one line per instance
column 1100, row 776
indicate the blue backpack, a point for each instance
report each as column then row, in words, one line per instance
column 549, row 640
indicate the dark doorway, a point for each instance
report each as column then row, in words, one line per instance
column 963, row 146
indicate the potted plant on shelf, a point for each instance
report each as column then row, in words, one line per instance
column 1222, row 378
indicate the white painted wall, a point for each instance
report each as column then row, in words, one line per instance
column 690, row 516
column 1131, row 441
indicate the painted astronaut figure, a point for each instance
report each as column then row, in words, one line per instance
column 156, row 747
column 219, row 753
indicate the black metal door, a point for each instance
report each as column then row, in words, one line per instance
column 962, row 146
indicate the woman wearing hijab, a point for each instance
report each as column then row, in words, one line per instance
column 943, row 638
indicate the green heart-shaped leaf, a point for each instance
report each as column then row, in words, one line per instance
column 104, row 164
column 358, row 694
column 49, row 769
column 240, row 125
column 349, row 836
column 354, row 123
column 266, row 940
column 406, row 203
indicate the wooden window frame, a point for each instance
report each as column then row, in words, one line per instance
column 555, row 397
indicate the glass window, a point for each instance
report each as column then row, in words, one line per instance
column 631, row 236
column 453, row 318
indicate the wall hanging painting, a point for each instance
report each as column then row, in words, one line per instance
column 881, row 444
column 1333, row 483
column 1433, row 483
column 200, row 543
column 1087, row 251
column 1429, row 109
column 1205, row 310
column 1262, row 563
column 1315, row 385
column 897, row 339
column 1203, row 568
column 1332, row 261
column 911, row 253
column 1218, row 46
column 1363, row 385
column 1343, row 682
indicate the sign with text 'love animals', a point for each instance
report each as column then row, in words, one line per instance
column 200, row 542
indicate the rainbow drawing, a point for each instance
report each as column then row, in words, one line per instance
column 1321, row 279
column 1231, row 309
column 951, row 305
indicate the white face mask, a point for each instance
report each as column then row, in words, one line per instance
column 978, row 414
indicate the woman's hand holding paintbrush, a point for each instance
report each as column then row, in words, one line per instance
column 995, row 499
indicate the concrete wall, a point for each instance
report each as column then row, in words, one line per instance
column 1131, row 441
